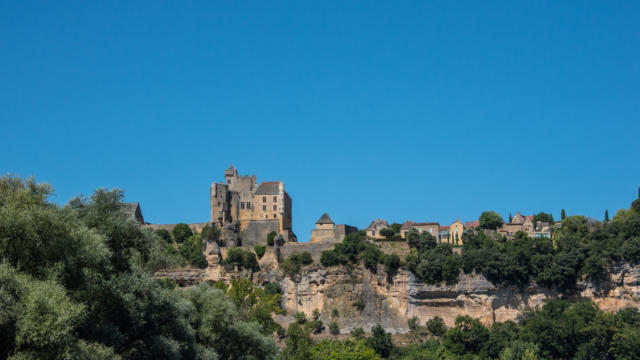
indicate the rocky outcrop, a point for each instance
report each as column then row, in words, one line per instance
column 391, row 301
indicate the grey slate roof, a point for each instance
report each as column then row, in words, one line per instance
column 268, row 188
column 325, row 219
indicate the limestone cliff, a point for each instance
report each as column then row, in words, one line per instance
column 391, row 302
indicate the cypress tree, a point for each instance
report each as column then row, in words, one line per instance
column 510, row 217
column 563, row 215
column 606, row 216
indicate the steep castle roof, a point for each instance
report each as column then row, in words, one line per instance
column 325, row 219
column 269, row 188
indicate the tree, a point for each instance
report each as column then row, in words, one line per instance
column 270, row 237
column 391, row 264
column 544, row 217
column 436, row 326
column 387, row 233
column 334, row 329
column 563, row 215
column 413, row 323
column 467, row 336
column 357, row 333
column 510, row 217
column 210, row 233
column 380, row 341
column 606, row 216
column 260, row 250
column 181, row 232
column 490, row 220
column 165, row 235
column 192, row 250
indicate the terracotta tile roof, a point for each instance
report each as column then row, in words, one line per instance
column 472, row 224
column 444, row 227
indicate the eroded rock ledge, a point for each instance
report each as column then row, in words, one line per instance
column 391, row 302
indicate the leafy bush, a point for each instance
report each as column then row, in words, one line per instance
column 490, row 220
column 272, row 288
column 210, row 233
column 165, row 235
column 300, row 317
column 357, row 333
column 291, row 266
column 241, row 258
column 359, row 304
column 436, row 326
column 334, row 313
column 181, row 232
column 391, row 264
column 192, row 250
column 334, row 328
column 272, row 235
column 380, row 341
column 413, row 323
column 260, row 250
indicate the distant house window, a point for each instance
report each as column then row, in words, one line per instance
column 274, row 216
column 264, row 199
column 248, row 205
column 266, row 216
column 264, row 207
column 275, row 207
column 241, row 205
column 275, row 198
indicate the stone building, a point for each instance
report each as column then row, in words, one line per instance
column 133, row 210
column 327, row 230
column 444, row 236
column 373, row 231
column 432, row 228
column 456, row 230
column 258, row 209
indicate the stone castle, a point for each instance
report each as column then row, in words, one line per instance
column 257, row 209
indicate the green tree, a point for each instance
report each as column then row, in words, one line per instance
column 165, row 235
column 387, row 233
column 210, row 233
column 606, row 216
column 357, row 333
column 380, row 341
column 563, row 215
column 260, row 250
column 334, row 328
column 544, row 217
column 412, row 322
column 272, row 235
column 391, row 264
column 467, row 336
column 436, row 326
column 181, row 232
column 490, row 220
column 192, row 250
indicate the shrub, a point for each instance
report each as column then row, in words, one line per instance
column 380, row 341
column 300, row 317
column 305, row 258
column 165, row 235
column 436, row 326
column 413, row 323
column 192, row 251
column 210, row 233
column 391, row 264
column 260, row 250
column 181, row 232
column 357, row 333
column 334, row 313
column 359, row 305
column 329, row 258
column 272, row 235
column 334, row 329
column 316, row 326
column 272, row 288
column 241, row 258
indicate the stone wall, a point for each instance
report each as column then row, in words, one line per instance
column 195, row 227
column 256, row 232
column 314, row 248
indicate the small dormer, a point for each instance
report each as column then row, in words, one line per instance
column 325, row 222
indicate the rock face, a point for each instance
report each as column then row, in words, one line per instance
column 392, row 301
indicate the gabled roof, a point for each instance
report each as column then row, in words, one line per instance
column 325, row 219
column 472, row 224
column 444, row 227
column 407, row 225
column 378, row 223
column 269, row 188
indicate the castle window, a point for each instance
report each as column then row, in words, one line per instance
column 275, row 207
column 248, row 205
column 274, row 216
column 266, row 216
column 241, row 205
column 275, row 198
column 264, row 199
column 264, row 207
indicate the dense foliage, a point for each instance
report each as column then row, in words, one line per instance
column 75, row 283
column 429, row 261
column 354, row 249
column 292, row 265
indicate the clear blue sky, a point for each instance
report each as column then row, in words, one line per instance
column 396, row 110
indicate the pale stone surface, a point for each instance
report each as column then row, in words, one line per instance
column 391, row 302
